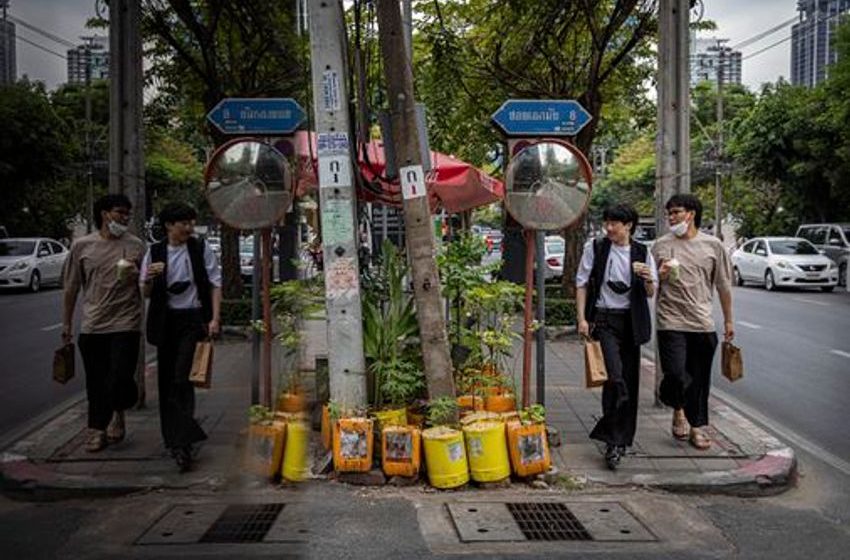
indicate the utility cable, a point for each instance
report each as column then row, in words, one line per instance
column 764, row 34
column 49, row 35
column 36, row 45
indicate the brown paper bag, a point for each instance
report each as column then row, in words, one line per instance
column 63, row 363
column 731, row 363
column 201, row 373
column 595, row 374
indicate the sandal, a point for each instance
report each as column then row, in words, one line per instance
column 700, row 439
column 680, row 425
column 96, row 442
column 115, row 432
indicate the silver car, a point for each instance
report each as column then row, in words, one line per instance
column 833, row 240
column 783, row 261
column 30, row 262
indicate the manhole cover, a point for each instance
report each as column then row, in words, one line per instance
column 547, row 521
column 243, row 523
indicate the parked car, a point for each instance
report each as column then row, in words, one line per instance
column 31, row 262
column 783, row 261
column 246, row 260
column 553, row 255
column 833, row 240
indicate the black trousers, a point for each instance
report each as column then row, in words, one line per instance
column 110, row 363
column 620, row 393
column 686, row 359
column 183, row 329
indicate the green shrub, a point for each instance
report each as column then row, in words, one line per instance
column 560, row 312
column 236, row 312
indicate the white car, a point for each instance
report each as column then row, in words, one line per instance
column 783, row 261
column 30, row 262
column 553, row 256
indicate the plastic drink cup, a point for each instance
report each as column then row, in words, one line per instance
column 674, row 269
column 123, row 266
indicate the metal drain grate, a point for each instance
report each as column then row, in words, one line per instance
column 544, row 521
column 243, row 523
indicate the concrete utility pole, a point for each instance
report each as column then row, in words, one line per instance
column 89, row 150
column 417, row 214
column 126, row 134
column 673, row 159
column 338, row 204
column 719, row 163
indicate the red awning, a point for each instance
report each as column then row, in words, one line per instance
column 452, row 184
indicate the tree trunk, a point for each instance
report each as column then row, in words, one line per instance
column 417, row 214
column 231, row 271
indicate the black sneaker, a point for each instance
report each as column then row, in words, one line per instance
column 183, row 458
column 613, row 455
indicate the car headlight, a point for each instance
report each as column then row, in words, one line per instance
column 783, row 264
column 832, row 265
column 20, row 265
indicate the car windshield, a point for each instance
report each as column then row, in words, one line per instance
column 846, row 230
column 792, row 247
column 16, row 248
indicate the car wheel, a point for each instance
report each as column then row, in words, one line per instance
column 736, row 276
column 35, row 281
column 842, row 275
column 769, row 283
column 827, row 288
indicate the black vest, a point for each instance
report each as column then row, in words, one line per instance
column 638, row 307
column 159, row 297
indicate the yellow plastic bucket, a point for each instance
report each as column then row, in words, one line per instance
column 445, row 457
column 295, row 464
column 394, row 417
column 487, row 449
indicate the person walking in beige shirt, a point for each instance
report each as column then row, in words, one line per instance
column 692, row 265
column 104, row 266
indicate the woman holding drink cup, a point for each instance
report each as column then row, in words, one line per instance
column 615, row 278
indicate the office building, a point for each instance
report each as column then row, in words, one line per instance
column 813, row 39
column 706, row 57
column 97, row 52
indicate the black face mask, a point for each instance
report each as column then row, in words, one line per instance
column 178, row 287
column 618, row 287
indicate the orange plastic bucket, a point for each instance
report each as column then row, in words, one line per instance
column 326, row 428
column 292, row 402
column 529, row 448
column 500, row 403
column 264, row 451
column 353, row 443
column 401, row 450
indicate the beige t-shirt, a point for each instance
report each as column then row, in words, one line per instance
column 685, row 305
column 109, row 305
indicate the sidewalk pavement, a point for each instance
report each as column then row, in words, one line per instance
column 50, row 461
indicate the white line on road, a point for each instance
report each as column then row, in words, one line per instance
column 840, row 353
column 784, row 432
column 52, row 327
column 811, row 301
column 749, row 325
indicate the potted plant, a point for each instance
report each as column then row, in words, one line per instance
column 445, row 453
column 527, row 443
column 264, row 451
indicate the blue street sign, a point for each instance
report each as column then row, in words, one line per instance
column 272, row 116
column 541, row 117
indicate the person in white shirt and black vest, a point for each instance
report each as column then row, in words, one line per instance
column 182, row 278
column 615, row 278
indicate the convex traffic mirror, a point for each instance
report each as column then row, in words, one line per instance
column 548, row 185
column 248, row 184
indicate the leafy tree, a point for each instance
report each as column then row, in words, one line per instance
column 630, row 179
column 36, row 151
column 203, row 51
column 481, row 52
column 172, row 173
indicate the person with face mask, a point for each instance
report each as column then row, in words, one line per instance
column 182, row 278
column 693, row 265
column 615, row 278
column 104, row 266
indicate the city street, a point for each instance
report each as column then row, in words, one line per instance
column 30, row 327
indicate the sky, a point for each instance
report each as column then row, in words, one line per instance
column 737, row 21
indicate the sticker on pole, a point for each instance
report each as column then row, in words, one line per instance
column 412, row 182
column 330, row 91
column 334, row 171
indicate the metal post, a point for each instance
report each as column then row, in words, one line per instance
column 266, row 234
column 340, row 242
column 89, row 155
column 541, row 319
column 255, row 316
column 527, row 317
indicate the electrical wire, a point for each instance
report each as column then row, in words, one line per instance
column 38, row 46
column 49, row 35
column 763, row 34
